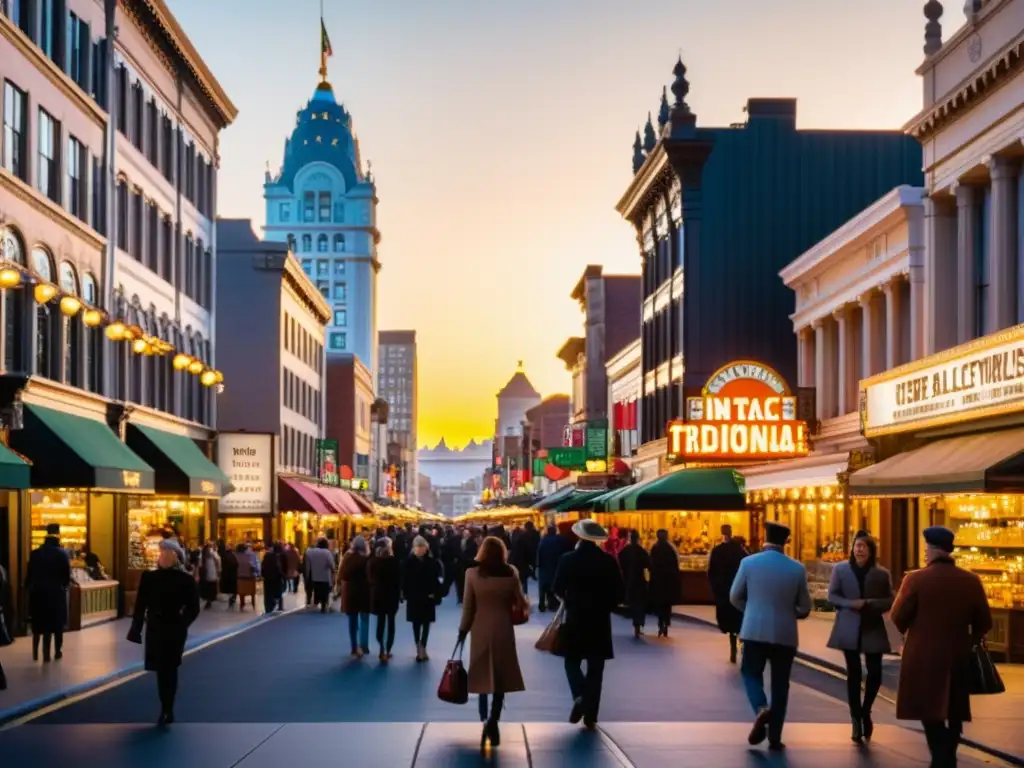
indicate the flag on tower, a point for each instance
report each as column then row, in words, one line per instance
column 325, row 40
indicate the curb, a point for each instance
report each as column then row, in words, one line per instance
column 18, row 711
column 886, row 693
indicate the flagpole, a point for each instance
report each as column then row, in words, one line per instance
column 323, row 49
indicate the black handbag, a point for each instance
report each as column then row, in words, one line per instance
column 984, row 677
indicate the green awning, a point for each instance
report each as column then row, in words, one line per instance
column 690, row 489
column 69, row 451
column 555, row 498
column 611, row 501
column 578, row 502
column 15, row 472
column 181, row 468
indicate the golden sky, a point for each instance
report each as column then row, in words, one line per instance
column 501, row 135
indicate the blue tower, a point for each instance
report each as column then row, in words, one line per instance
column 324, row 205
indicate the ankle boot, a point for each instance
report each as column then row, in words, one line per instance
column 732, row 649
column 857, row 734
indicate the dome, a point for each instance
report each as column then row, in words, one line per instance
column 323, row 134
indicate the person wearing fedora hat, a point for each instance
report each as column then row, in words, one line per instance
column 589, row 584
column 47, row 579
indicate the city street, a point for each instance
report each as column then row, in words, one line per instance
column 288, row 691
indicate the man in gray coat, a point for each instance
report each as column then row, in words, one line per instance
column 771, row 590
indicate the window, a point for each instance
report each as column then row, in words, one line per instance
column 323, row 268
column 167, row 158
column 99, row 72
column 339, row 269
column 135, row 227
column 50, row 30
column 325, row 206
column 91, row 337
column 122, row 99
column 70, row 330
column 338, row 341
column 151, row 256
column 138, row 106
column 122, row 215
column 324, row 287
column 341, row 317
column 284, row 212
column 321, row 244
column 46, row 315
column 166, row 250
column 153, row 133
column 307, row 266
column 77, row 179
column 340, row 292
column 292, row 245
column 79, row 44
column 307, row 243
column 339, row 212
column 11, row 249
column 49, row 133
column 15, row 128
column 308, row 203
column 339, row 243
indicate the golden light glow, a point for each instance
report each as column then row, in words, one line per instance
column 116, row 331
column 181, row 361
column 9, row 278
column 208, row 378
column 139, row 346
column 92, row 317
column 44, row 292
column 196, row 367
column 69, row 305
column 220, row 376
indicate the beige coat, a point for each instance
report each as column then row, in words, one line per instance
column 487, row 616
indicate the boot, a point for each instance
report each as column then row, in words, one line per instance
column 857, row 734
column 732, row 649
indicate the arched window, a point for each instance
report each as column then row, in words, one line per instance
column 47, row 323
column 292, row 245
column 91, row 337
column 339, row 243
column 10, row 246
column 321, row 243
column 307, row 243
column 12, row 250
column 71, row 330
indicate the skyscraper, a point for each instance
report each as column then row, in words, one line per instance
column 396, row 384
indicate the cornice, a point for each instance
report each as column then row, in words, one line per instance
column 12, row 184
column 645, row 184
column 305, row 289
column 41, row 62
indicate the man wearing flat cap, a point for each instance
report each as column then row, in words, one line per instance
column 47, row 580
column 771, row 590
column 943, row 612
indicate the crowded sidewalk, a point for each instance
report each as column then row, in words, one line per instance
column 998, row 724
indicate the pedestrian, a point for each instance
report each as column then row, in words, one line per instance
column 248, row 572
column 170, row 541
column 943, row 611
column 6, row 619
column 635, row 563
column 465, row 558
column 451, row 549
column 273, row 578
column 549, row 552
column 771, row 591
column 861, row 591
column 493, row 592
column 616, row 542
column 523, row 555
column 167, row 603
column 293, row 564
column 723, row 564
column 665, row 588
column 421, row 588
column 385, row 576
column 47, row 580
column 209, row 573
column 319, row 573
column 228, row 573
column 589, row 584
column 354, row 588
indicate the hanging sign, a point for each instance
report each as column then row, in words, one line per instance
column 746, row 412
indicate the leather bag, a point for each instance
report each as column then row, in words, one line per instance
column 984, row 677
column 550, row 640
column 454, row 686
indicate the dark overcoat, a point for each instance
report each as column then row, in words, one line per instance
column 589, row 583
column 168, row 603
column 634, row 560
column 665, row 587
column 421, row 587
column 385, row 575
column 943, row 611
column 722, row 567
column 355, row 583
column 47, row 580
column 549, row 552
column 863, row 629
column 229, row 573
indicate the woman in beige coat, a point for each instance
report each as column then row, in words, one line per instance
column 492, row 592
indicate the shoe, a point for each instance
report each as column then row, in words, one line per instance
column 868, row 727
column 759, row 732
column 577, row 711
column 776, row 746
column 355, row 654
column 590, row 723
column 382, row 657
column 58, row 655
column 857, row 735
column 46, row 658
column 425, row 656
column 493, row 734
column 484, row 733
column 636, row 632
column 166, row 718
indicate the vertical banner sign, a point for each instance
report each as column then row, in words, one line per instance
column 248, row 461
column 596, row 440
column 327, row 468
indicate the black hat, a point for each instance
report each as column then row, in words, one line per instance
column 590, row 530
column 776, row 533
column 53, row 529
column 939, row 537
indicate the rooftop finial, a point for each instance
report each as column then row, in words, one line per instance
column 663, row 113
column 680, row 86
column 933, row 29
column 519, row 365
column 325, row 47
column 650, row 140
column 266, row 173
column 638, row 153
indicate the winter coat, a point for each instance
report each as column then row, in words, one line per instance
column 634, row 560
column 273, row 573
column 860, row 630
column 723, row 564
column 168, row 602
column 589, row 583
column 47, row 580
column 665, row 587
column 355, row 585
column 771, row 590
column 549, row 552
column 487, row 616
column 943, row 611
column 293, row 563
column 523, row 555
column 229, row 573
column 421, row 588
column 385, row 576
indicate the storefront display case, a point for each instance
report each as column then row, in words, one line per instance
column 69, row 510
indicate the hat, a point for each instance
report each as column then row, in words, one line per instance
column 776, row 533
column 53, row 529
column 939, row 537
column 590, row 530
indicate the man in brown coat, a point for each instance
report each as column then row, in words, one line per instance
column 943, row 611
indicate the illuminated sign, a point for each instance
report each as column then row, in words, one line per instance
column 131, row 479
column 208, row 487
column 746, row 412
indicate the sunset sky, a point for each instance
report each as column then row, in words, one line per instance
column 501, row 133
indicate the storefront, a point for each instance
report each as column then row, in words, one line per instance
column 246, row 511
column 951, row 431
column 309, row 511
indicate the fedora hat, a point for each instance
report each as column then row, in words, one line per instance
column 589, row 530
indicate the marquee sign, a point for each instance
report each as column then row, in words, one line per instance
column 746, row 412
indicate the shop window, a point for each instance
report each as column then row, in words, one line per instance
column 70, row 512
column 148, row 518
column 240, row 530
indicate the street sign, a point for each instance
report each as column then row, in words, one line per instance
column 596, row 440
column 568, row 457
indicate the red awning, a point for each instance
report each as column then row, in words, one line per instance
column 338, row 498
column 620, row 467
column 293, row 495
column 554, row 474
column 346, row 472
column 365, row 507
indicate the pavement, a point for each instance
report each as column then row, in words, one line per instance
column 286, row 690
column 998, row 724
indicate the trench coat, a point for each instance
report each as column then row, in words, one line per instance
column 385, row 576
column 634, row 560
column 355, row 583
column 943, row 611
column 487, row 605
column 589, row 584
column 47, row 579
column 863, row 630
column 229, row 573
column 665, row 587
column 168, row 602
column 421, row 588
column 723, row 564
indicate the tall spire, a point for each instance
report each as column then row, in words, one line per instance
column 663, row 113
column 650, row 140
column 638, row 153
column 325, row 48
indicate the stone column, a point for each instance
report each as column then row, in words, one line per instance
column 846, row 369
column 893, row 338
column 940, row 274
column 1002, row 239
column 820, row 370
column 966, row 227
column 807, row 357
column 872, row 339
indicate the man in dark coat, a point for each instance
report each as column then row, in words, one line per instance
column 635, row 563
column 47, row 581
column 589, row 583
column 549, row 552
column 523, row 555
column 665, row 587
column 168, row 602
column 722, row 566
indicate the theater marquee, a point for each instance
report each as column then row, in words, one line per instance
column 745, row 413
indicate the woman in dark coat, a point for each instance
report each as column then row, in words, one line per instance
column 47, row 581
column 385, row 576
column 354, row 588
column 722, row 567
column 168, row 602
column 636, row 563
column 421, row 588
column 228, row 574
column 272, row 569
column 665, row 585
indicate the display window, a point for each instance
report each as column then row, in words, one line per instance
column 68, row 509
column 692, row 533
column 149, row 517
column 238, row 530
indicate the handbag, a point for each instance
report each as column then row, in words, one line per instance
column 454, row 686
column 984, row 677
column 521, row 612
column 550, row 640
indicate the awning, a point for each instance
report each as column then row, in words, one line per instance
column 181, row 468
column 992, row 462
column 557, row 497
column 69, row 451
column 15, row 472
column 609, row 500
column 823, row 469
column 365, row 505
column 578, row 502
column 293, row 495
column 691, row 490
column 338, row 498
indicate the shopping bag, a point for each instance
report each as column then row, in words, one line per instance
column 984, row 679
column 550, row 639
column 521, row 612
column 454, row 686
